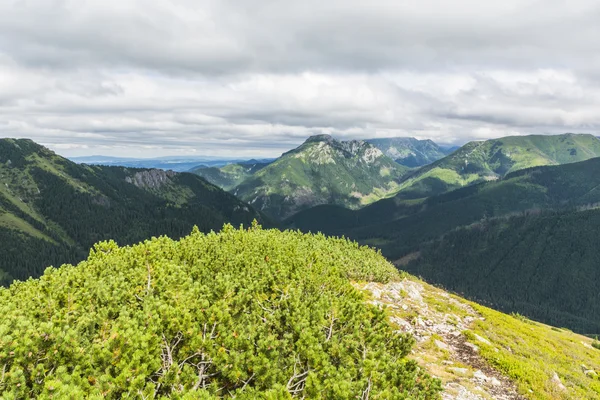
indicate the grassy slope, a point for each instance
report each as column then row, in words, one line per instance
column 492, row 159
column 473, row 349
column 531, row 353
column 322, row 171
column 230, row 175
column 62, row 208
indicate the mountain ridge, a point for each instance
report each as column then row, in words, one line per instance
column 409, row 151
column 63, row 208
column 491, row 159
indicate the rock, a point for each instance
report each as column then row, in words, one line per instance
column 412, row 290
column 482, row 339
column 495, row 382
column 557, row 382
column 480, row 376
column 459, row 371
column 472, row 346
column 151, row 179
column 591, row 373
column 441, row 345
column 404, row 325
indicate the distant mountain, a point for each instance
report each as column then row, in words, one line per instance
column 492, row 159
column 322, row 171
column 230, row 175
column 60, row 208
column 174, row 163
column 409, row 151
column 526, row 242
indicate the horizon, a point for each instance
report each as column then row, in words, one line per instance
column 273, row 155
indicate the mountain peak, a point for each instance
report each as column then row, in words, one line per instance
column 320, row 138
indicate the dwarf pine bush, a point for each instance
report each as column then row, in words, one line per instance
column 247, row 313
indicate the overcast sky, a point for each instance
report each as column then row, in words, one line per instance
column 256, row 77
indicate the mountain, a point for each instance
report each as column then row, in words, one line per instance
column 410, row 152
column 61, row 208
column 321, row 171
column 492, row 159
column 524, row 243
column 229, row 176
column 254, row 313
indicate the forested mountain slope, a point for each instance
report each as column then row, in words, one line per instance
column 322, row 171
column 229, row 176
column 409, row 151
column 61, row 209
column 492, row 159
column 478, row 260
column 544, row 266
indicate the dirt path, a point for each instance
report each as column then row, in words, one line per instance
column 437, row 321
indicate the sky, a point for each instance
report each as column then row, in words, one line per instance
column 146, row 78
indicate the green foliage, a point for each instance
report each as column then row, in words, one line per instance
column 61, row 209
column 321, row 171
column 246, row 313
column 596, row 343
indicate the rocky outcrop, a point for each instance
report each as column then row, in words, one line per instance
column 151, row 179
column 441, row 346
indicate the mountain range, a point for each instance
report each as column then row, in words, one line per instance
column 472, row 238
column 492, row 159
column 61, row 208
column 510, row 223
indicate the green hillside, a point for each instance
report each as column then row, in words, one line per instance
column 61, row 208
column 544, row 266
column 242, row 314
column 230, row 175
column 426, row 238
column 409, row 151
column 322, row 171
column 492, row 159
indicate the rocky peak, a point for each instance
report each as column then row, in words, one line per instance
column 151, row 179
column 320, row 138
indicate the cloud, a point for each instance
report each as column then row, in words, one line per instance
column 255, row 78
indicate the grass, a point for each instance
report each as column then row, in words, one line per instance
column 11, row 221
column 448, row 176
column 531, row 353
